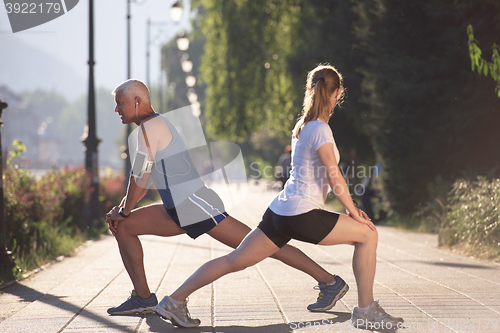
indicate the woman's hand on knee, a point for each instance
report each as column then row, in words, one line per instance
column 362, row 217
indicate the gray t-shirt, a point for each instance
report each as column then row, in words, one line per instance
column 308, row 185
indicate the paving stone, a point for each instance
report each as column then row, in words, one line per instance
column 434, row 289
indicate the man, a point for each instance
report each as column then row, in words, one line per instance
column 188, row 206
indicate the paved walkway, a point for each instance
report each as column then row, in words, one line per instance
column 433, row 289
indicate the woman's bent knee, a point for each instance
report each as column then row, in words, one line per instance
column 370, row 236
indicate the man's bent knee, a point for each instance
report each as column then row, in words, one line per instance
column 125, row 227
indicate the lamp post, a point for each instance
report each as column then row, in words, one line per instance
column 129, row 126
column 6, row 259
column 176, row 15
column 91, row 212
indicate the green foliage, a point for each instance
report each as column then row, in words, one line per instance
column 44, row 214
column 473, row 217
column 432, row 215
column 257, row 55
column 483, row 66
column 427, row 116
column 244, row 66
column 410, row 98
column 35, row 213
column 327, row 35
column 17, row 148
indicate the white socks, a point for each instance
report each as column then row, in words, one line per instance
column 174, row 302
column 365, row 309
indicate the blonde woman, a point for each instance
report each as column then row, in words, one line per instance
column 298, row 212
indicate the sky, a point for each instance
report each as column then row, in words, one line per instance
column 65, row 40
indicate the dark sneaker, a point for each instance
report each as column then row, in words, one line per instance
column 329, row 295
column 375, row 318
column 135, row 305
column 177, row 314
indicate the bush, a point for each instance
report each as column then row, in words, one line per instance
column 473, row 218
column 44, row 215
column 431, row 215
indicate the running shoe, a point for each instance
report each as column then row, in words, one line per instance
column 329, row 295
column 177, row 314
column 375, row 318
column 135, row 305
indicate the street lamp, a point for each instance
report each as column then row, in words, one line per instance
column 187, row 66
column 175, row 16
column 183, row 43
column 148, row 44
column 89, row 138
column 176, row 12
column 190, row 81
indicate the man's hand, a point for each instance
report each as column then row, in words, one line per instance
column 112, row 218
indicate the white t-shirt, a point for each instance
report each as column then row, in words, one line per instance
column 308, row 185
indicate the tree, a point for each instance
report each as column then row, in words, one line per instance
column 483, row 66
column 244, row 66
column 257, row 55
column 409, row 95
column 427, row 115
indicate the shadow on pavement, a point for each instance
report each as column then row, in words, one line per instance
column 156, row 324
column 165, row 240
column 457, row 265
column 30, row 295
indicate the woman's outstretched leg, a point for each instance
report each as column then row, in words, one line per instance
column 232, row 232
column 254, row 248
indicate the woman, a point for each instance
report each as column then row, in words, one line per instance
column 298, row 212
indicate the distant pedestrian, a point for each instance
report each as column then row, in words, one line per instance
column 297, row 212
column 284, row 166
column 369, row 192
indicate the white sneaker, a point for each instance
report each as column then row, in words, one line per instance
column 177, row 314
column 374, row 318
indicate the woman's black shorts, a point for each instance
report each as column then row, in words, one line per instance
column 309, row 227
